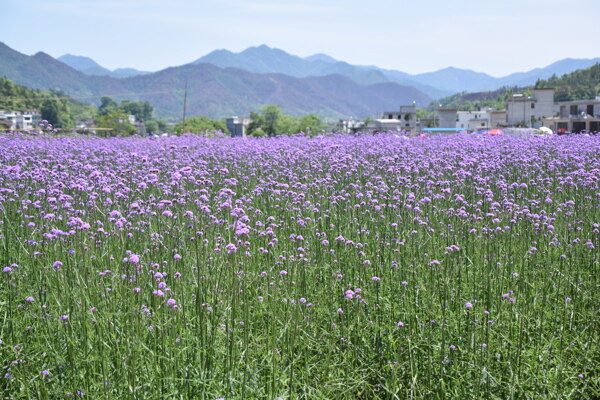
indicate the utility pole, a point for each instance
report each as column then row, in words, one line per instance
column 184, row 104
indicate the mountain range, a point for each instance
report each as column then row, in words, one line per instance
column 91, row 67
column 437, row 84
column 224, row 83
column 211, row 90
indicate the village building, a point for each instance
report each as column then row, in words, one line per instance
column 237, row 126
column 529, row 111
column 576, row 116
column 403, row 119
column 19, row 120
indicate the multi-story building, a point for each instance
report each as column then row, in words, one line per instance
column 576, row 116
column 20, row 120
column 487, row 118
column 496, row 118
column 237, row 126
column 530, row 110
column 403, row 119
column 446, row 117
column 472, row 120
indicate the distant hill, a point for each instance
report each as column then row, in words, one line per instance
column 467, row 101
column 558, row 68
column 578, row 85
column 264, row 59
column 457, row 80
column 321, row 57
column 212, row 91
column 436, row 84
column 221, row 92
column 90, row 67
column 582, row 84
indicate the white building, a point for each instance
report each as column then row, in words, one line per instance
column 472, row 120
column 481, row 119
column 403, row 119
column 26, row 120
column 351, row 125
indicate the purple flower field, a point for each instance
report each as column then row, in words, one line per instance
column 335, row 267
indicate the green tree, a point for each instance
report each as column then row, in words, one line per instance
column 56, row 113
column 270, row 114
column 118, row 121
column 151, row 127
column 107, row 106
column 286, row 125
column 162, row 125
column 310, row 124
column 200, row 125
column 256, row 123
column 141, row 109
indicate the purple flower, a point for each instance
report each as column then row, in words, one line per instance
column 29, row 299
column 468, row 305
column 45, row 372
column 64, row 317
column 171, row 302
column 375, row 279
column 134, row 259
column 400, row 323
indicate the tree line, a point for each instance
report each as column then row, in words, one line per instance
column 61, row 111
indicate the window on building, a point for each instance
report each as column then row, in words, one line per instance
column 390, row 116
column 573, row 110
column 399, row 116
column 532, row 105
column 590, row 109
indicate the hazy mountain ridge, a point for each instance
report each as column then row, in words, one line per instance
column 316, row 84
column 263, row 59
column 436, row 84
column 90, row 67
column 212, row 91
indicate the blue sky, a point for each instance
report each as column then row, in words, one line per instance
column 497, row 37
